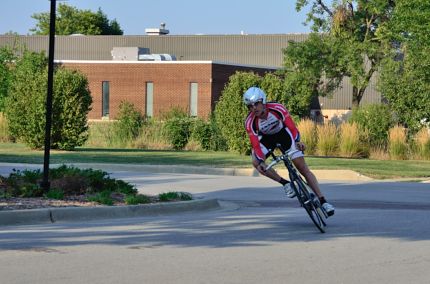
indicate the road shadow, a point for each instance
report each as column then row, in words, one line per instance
column 240, row 224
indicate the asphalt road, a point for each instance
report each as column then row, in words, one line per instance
column 379, row 234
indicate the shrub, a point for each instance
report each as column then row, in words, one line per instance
column 55, row 193
column 71, row 181
column 308, row 135
column 7, row 56
column 103, row 197
column 230, row 111
column 100, row 134
column 207, row 134
column 327, row 139
column 128, row 124
column 151, row 136
column 349, row 144
column 398, row 146
column 26, row 104
column 422, row 140
column 376, row 119
column 174, row 196
column 177, row 128
column 4, row 129
column 137, row 199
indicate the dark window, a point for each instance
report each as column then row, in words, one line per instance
column 105, row 99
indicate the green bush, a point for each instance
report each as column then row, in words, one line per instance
column 6, row 58
column 55, row 193
column 177, row 128
column 71, row 181
column 128, row 124
column 26, row 104
column 103, row 197
column 207, row 134
column 174, row 196
column 230, row 111
column 137, row 199
column 375, row 120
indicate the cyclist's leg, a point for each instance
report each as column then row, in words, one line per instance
column 302, row 167
column 312, row 181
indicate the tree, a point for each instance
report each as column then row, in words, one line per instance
column 26, row 104
column 405, row 77
column 71, row 20
column 311, row 70
column 6, row 61
column 354, row 29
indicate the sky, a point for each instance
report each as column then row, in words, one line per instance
column 182, row 17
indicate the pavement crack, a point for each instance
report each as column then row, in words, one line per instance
column 51, row 216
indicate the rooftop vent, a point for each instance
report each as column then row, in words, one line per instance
column 128, row 53
column 157, row 31
column 157, row 57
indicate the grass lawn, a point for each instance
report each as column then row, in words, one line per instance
column 18, row 153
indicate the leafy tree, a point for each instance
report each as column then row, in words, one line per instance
column 25, row 105
column 71, row 20
column 6, row 59
column 311, row 70
column 405, row 78
column 25, row 102
column 354, row 29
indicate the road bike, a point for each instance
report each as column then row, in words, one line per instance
column 308, row 200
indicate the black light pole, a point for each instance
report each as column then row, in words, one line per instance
column 45, row 183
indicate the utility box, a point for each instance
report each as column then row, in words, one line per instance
column 128, row 53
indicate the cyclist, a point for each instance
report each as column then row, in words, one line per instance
column 269, row 123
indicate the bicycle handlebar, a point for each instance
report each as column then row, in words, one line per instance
column 277, row 159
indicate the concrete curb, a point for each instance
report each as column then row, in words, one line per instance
column 51, row 215
column 333, row 175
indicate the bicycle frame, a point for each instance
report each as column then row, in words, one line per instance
column 305, row 196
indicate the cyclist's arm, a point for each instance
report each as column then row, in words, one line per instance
column 253, row 138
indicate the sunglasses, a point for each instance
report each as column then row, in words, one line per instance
column 252, row 105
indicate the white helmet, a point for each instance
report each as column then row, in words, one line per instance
column 253, row 95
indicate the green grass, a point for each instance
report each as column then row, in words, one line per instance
column 18, row 153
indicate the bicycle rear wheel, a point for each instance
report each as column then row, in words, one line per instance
column 308, row 202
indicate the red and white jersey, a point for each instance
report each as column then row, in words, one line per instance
column 277, row 119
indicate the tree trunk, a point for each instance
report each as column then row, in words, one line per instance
column 357, row 95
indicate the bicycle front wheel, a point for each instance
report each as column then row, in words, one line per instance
column 312, row 206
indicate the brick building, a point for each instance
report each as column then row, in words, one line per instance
column 154, row 87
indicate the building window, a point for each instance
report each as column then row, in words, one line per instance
column 149, row 102
column 105, row 99
column 193, row 98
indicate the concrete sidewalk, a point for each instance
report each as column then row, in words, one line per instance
column 332, row 175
